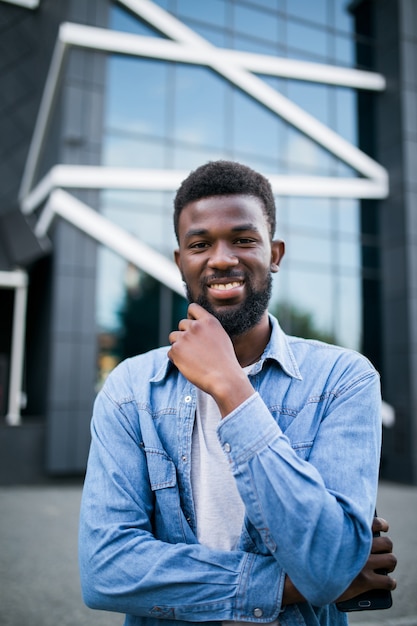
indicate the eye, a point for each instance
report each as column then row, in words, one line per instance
column 245, row 241
column 198, row 245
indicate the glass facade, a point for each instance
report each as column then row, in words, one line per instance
column 169, row 115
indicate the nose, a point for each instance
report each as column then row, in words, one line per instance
column 222, row 257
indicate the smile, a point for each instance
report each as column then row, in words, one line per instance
column 226, row 286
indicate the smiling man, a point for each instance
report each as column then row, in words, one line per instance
column 232, row 475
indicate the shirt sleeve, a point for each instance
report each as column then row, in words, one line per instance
column 314, row 515
column 124, row 568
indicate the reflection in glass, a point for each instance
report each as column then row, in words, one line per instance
column 315, row 215
column 311, row 292
column 306, row 10
column 310, row 43
column 136, row 97
column 199, row 107
column 320, row 273
column 131, row 326
column 312, row 250
column 313, row 98
column 255, row 23
column 349, row 311
column 121, row 19
column 256, row 130
column 213, row 12
column 128, row 150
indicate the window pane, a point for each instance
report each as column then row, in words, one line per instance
column 307, row 157
column 307, row 39
column 314, row 250
column 308, row 293
column 343, row 18
column 259, row 24
column 348, row 217
column 212, row 12
column 316, row 10
column 145, row 214
column 256, row 130
column 122, row 20
column 310, row 214
column 123, row 151
column 311, row 98
column 344, row 51
column 136, row 95
column 199, row 107
column 349, row 311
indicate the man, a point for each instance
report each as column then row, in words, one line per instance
column 232, row 476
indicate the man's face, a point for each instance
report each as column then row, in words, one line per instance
column 226, row 258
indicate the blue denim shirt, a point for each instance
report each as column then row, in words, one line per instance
column 304, row 450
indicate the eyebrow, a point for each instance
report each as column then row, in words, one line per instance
column 199, row 232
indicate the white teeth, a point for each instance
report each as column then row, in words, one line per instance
column 225, row 286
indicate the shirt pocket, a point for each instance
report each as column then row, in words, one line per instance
column 162, row 472
column 168, row 521
column 300, row 426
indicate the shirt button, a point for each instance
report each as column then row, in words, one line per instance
column 258, row 612
column 184, row 458
column 227, row 447
column 187, row 399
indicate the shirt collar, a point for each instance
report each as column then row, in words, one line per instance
column 278, row 349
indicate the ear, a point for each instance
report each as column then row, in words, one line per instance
column 177, row 259
column 277, row 253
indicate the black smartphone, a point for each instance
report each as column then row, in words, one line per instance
column 375, row 599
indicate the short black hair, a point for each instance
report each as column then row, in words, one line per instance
column 224, row 178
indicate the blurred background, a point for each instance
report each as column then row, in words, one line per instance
column 105, row 106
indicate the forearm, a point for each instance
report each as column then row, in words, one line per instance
column 125, row 566
column 186, row 582
column 320, row 543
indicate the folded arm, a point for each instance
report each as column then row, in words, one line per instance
column 314, row 515
column 124, row 567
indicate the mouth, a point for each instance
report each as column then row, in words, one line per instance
column 226, row 286
column 225, row 289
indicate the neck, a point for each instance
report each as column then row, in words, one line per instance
column 250, row 346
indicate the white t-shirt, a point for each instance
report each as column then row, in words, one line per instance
column 218, row 505
column 219, row 508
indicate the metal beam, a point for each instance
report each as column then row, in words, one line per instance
column 111, row 235
column 17, row 280
column 137, row 45
column 96, row 177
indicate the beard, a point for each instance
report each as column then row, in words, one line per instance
column 238, row 319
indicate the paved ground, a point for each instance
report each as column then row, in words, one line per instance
column 39, row 584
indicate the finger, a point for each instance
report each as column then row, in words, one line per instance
column 381, row 544
column 195, row 311
column 386, row 562
column 184, row 324
column 386, row 582
column 379, row 524
column 173, row 336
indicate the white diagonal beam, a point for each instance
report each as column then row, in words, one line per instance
column 44, row 115
column 111, row 235
column 156, row 48
column 96, row 177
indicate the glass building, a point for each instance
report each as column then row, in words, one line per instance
column 107, row 107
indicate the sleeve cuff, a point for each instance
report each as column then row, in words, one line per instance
column 260, row 592
column 247, row 430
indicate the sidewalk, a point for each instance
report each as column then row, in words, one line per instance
column 39, row 570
